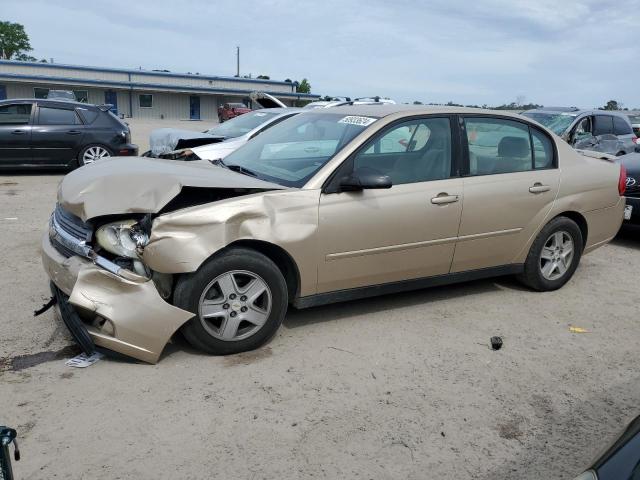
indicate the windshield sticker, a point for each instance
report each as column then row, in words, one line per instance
column 354, row 120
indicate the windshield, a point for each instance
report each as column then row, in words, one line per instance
column 240, row 125
column 293, row 151
column 556, row 122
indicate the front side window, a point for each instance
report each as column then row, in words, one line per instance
column 146, row 100
column 291, row 152
column 602, row 125
column 18, row 114
column 57, row 116
column 413, row 151
column 505, row 146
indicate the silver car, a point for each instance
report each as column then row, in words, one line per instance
column 598, row 130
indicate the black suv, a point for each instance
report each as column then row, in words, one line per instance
column 50, row 133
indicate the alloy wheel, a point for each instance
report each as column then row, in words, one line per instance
column 92, row 154
column 557, row 255
column 235, row 305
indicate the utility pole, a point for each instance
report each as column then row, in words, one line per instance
column 238, row 62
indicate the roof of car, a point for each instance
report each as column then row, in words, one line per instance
column 47, row 101
column 385, row 109
column 282, row 109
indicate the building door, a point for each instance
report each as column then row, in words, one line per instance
column 111, row 98
column 3, row 92
column 194, row 107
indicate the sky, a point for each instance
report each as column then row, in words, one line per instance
column 551, row 52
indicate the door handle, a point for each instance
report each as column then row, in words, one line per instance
column 19, row 132
column 74, row 132
column 444, row 198
column 539, row 188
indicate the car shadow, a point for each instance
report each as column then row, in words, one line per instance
column 32, row 172
column 628, row 236
column 300, row 318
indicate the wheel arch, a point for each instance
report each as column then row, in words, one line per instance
column 283, row 260
column 580, row 221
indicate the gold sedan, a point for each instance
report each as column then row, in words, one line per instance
column 330, row 205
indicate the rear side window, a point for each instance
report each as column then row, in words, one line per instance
column 620, row 127
column 506, row 146
column 498, row 146
column 57, row 116
column 15, row 114
column 602, row 125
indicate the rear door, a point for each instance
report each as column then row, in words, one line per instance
column 510, row 185
column 57, row 135
column 15, row 133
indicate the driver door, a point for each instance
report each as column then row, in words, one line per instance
column 408, row 231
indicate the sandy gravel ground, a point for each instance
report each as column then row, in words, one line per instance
column 398, row 387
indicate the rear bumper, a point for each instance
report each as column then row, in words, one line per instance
column 119, row 314
column 635, row 213
column 127, row 150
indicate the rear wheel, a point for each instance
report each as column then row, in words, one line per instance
column 554, row 255
column 93, row 153
column 239, row 299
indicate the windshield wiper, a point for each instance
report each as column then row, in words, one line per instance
column 219, row 162
column 243, row 170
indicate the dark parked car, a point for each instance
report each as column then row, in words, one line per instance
column 631, row 163
column 621, row 461
column 596, row 130
column 48, row 133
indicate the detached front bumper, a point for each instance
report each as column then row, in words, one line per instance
column 126, row 315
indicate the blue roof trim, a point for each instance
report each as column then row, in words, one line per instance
column 151, row 86
column 63, row 66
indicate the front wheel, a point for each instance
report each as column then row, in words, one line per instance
column 554, row 255
column 93, row 153
column 239, row 299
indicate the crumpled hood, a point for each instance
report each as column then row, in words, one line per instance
column 142, row 185
column 165, row 140
column 219, row 150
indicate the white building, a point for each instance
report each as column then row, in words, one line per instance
column 139, row 93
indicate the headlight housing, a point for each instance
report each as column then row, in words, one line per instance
column 124, row 238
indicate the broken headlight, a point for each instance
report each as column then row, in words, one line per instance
column 125, row 238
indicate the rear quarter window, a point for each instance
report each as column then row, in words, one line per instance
column 87, row 115
column 620, row 127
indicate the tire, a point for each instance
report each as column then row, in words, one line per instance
column 209, row 293
column 555, row 238
column 91, row 153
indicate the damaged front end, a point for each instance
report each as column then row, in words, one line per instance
column 93, row 252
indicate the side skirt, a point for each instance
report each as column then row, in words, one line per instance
column 405, row 285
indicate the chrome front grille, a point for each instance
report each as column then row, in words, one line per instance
column 69, row 234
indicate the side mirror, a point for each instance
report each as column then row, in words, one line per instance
column 364, row 181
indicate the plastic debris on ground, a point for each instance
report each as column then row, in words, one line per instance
column 83, row 360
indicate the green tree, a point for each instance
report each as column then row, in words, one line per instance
column 304, row 86
column 264, row 77
column 14, row 41
column 417, row 102
column 612, row 105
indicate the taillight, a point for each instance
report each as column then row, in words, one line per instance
column 622, row 181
